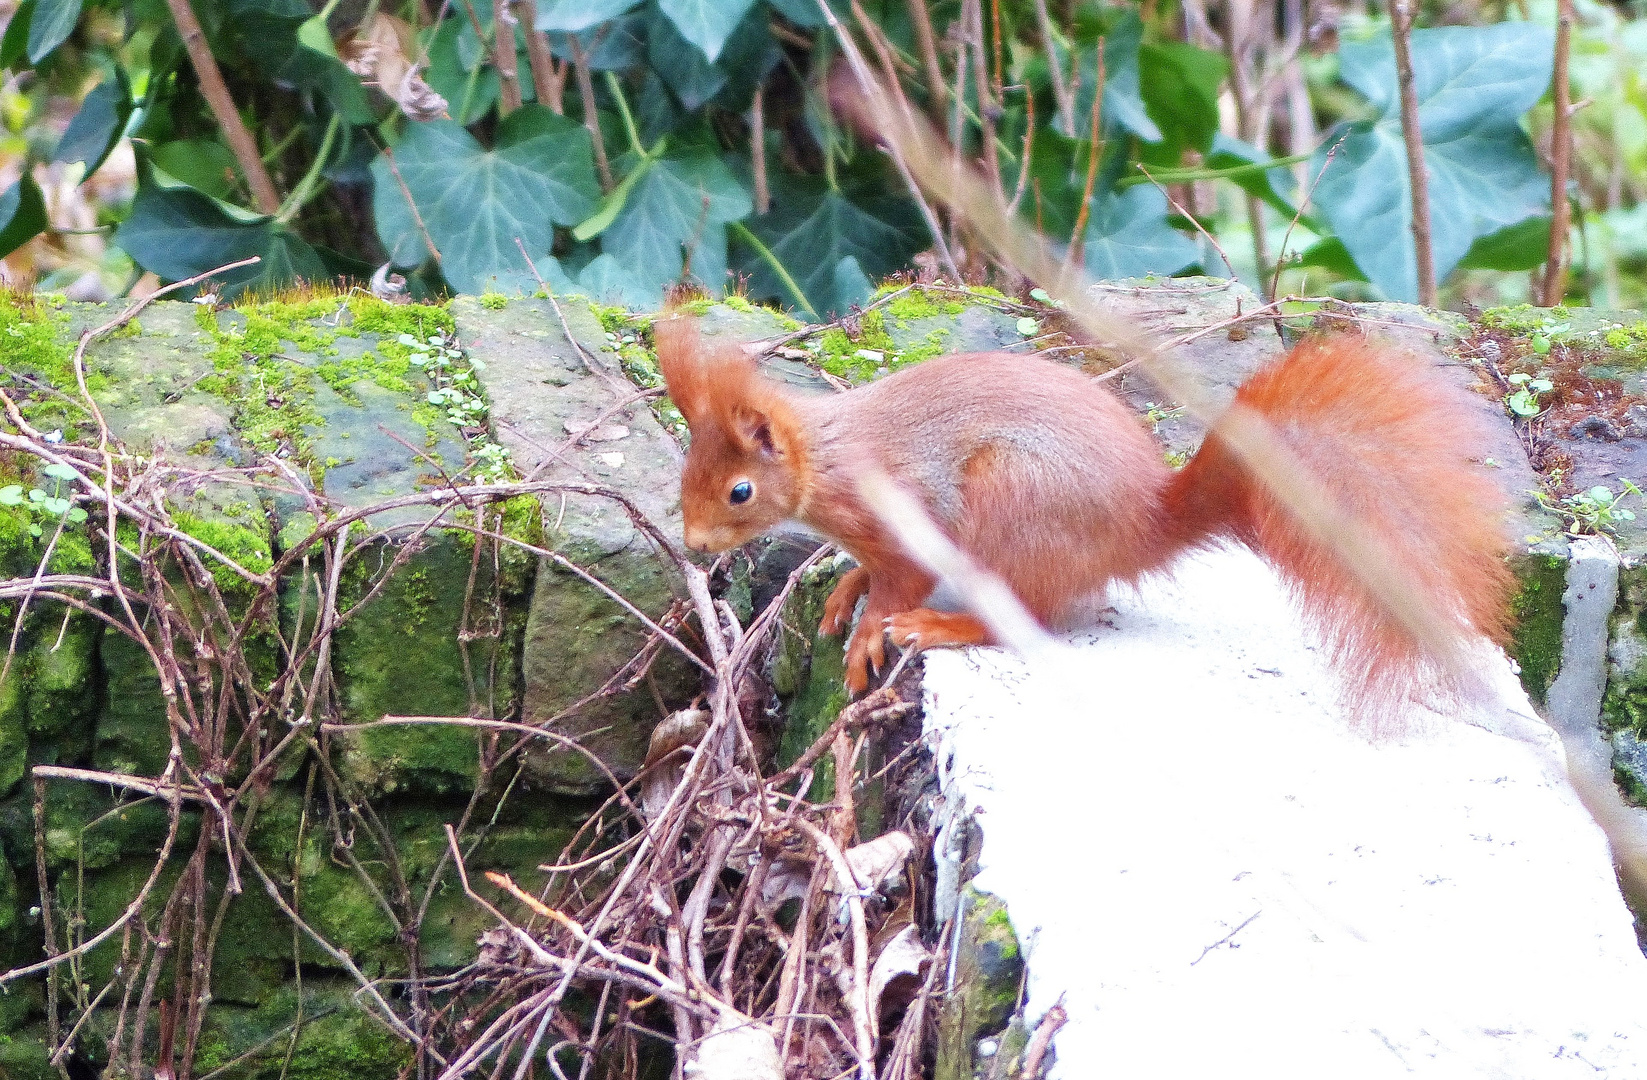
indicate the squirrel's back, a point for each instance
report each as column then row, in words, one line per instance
column 1040, row 473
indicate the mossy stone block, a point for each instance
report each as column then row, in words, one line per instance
column 13, row 930
column 85, row 826
column 25, row 1054
column 133, row 734
column 989, row 971
column 809, row 671
column 545, row 387
column 49, row 697
column 352, row 411
column 149, row 385
column 739, row 320
column 1535, row 637
column 577, row 638
column 411, row 650
column 64, row 654
column 1624, row 703
column 455, row 922
column 336, row 1040
column 977, row 327
column 14, row 732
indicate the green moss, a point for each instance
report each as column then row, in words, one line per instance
column 34, row 341
column 26, row 1055
column 920, row 303
column 988, row 973
column 612, row 319
column 858, row 359
column 809, row 671
column 273, row 395
column 1629, row 783
column 31, row 340
column 245, row 546
column 844, row 355
column 353, row 1048
column 494, row 301
column 1535, row 640
column 1520, row 318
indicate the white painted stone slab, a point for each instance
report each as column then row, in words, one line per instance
column 1221, row 878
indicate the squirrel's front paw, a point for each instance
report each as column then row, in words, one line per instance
column 837, row 613
column 866, row 652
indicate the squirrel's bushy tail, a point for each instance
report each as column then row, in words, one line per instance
column 1387, row 441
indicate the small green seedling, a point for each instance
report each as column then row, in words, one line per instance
column 457, row 388
column 1523, row 400
column 1548, row 329
column 1595, row 511
column 52, row 505
column 1155, row 414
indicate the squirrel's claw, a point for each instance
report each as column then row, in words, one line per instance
column 857, row 665
column 842, row 600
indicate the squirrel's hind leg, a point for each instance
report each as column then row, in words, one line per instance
column 924, row 628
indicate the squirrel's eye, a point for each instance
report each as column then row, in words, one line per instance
column 742, row 492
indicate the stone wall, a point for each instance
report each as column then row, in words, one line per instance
column 255, row 410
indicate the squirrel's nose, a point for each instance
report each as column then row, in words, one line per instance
column 695, row 539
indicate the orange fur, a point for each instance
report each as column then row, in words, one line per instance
column 1044, row 478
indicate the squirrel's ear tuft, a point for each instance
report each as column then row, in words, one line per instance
column 680, row 358
column 752, row 427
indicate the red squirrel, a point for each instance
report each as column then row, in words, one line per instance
column 1047, row 479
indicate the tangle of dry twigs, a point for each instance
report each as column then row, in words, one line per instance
column 712, row 912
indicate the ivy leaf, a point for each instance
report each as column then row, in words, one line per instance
column 203, row 164
column 811, row 235
column 22, row 214
column 615, row 47
column 1521, row 246
column 177, row 232
column 610, row 281
column 1058, row 170
column 682, row 65
column 470, row 87
column 1180, row 85
column 803, row 13
column 15, row 44
column 1123, row 97
column 1128, row 236
column 1330, row 254
column 680, row 201
column 475, row 202
column 706, row 23
column 96, row 128
column 1473, row 85
column 852, row 285
column 748, row 57
column 51, row 25
column 571, row 16
column 1274, row 186
column 748, row 54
